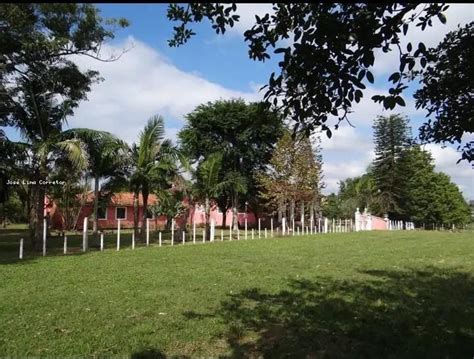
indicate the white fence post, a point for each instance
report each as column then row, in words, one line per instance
column 325, row 225
column 133, row 239
column 118, row 234
column 252, row 234
column 172, row 232
column 147, row 232
column 194, row 231
column 65, row 245
column 265, row 232
column 159, row 238
column 283, row 226
column 213, row 227
column 20, row 255
column 245, row 225
column 84, row 235
column 204, row 235
column 45, row 228
column 271, row 227
column 101, row 241
column 357, row 220
column 222, row 235
column 259, row 227
column 184, row 237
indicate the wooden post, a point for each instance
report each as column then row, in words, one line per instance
column 194, row 231
column 101, row 241
column 45, row 228
column 118, row 235
column 271, row 227
column 147, row 232
column 21, row 249
column 65, row 245
column 84, row 235
column 133, row 240
column 159, row 239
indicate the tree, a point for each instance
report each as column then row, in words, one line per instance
column 322, row 71
column 154, row 161
column 332, row 206
column 39, row 84
column 106, row 154
column 448, row 85
column 208, row 185
column 359, row 192
column 428, row 196
column 391, row 137
column 245, row 135
column 293, row 175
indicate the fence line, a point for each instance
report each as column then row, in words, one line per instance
column 362, row 222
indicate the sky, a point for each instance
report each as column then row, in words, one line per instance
column 152, row 78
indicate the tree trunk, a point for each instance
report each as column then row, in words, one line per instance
column 135, row 213
column 96, row 205
column 224, row 217
column 145, row 210
column 39, row 217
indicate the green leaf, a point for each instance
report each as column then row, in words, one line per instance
column 400, row 101
column 370, row 77
column 442, row 18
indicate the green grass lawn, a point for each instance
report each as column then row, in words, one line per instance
column 349, row 295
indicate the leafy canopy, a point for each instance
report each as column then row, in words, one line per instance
column 323, row 70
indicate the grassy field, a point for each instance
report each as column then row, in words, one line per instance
column 350, row 295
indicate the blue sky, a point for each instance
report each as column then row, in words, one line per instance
column 152, row 78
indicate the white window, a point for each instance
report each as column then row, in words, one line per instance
column 120, row 212
column 102, row 213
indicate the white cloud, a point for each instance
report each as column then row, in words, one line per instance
column 346, row 138
column 247, row 14
column 140, row 84
column 364, row 112
column 461, row 173
column 387, row 63
column 340, row 169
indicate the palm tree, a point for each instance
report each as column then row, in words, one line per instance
column 153, row 159
column 107, row 158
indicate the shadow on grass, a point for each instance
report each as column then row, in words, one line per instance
column 149, row 354
column 391, row 314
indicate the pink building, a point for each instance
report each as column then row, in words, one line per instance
column 120, row 206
